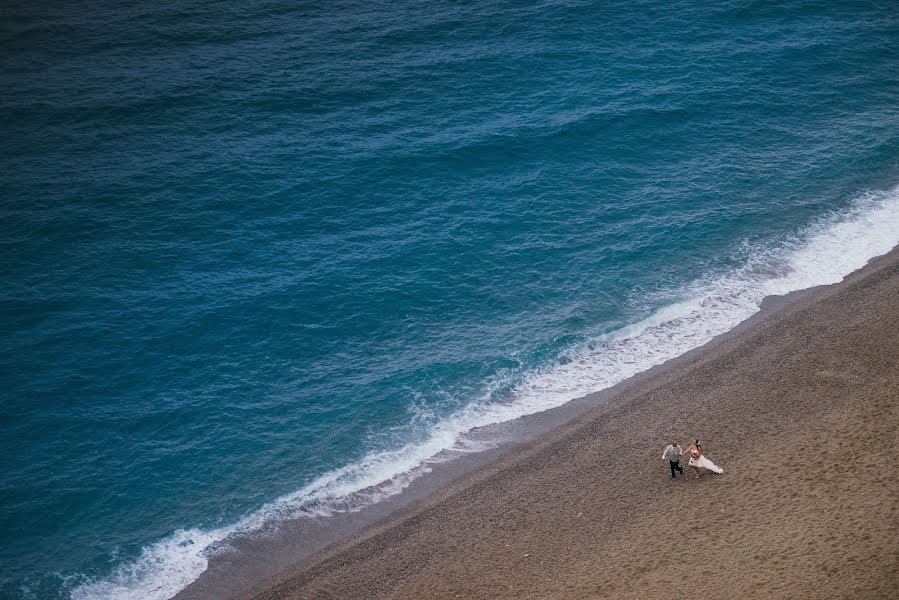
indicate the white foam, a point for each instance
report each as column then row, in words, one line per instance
column 162, row 570
column 823, row 253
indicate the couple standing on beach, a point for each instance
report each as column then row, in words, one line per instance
column 698, row 462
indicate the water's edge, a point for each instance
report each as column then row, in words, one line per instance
column 343, row 501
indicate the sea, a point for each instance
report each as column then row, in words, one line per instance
column 269, row 261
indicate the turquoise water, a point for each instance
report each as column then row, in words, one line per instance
column 270, row 260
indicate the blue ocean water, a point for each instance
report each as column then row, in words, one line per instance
column 267, row 260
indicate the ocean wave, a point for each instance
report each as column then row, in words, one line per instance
column 823, row 253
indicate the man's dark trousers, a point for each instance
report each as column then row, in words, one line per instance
column 676, row 465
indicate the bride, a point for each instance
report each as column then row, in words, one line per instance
column 698, row 461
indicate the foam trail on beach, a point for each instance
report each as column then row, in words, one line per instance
column 823, row 253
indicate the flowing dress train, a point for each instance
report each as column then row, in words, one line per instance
column 705, row 463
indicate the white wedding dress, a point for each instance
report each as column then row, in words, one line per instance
column 705, row 463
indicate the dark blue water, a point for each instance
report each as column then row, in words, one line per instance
column 267, row 260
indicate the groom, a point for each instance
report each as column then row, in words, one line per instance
column 672, row 453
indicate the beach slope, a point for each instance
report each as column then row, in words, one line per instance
column 801, row 408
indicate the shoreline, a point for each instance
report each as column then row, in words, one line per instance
column 236, row 572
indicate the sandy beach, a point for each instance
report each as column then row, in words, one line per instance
column 801, row 409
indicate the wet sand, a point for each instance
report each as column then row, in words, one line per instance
column 801, row 409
